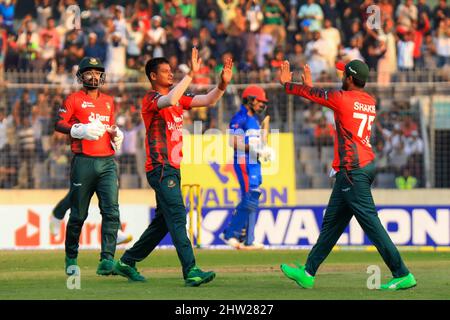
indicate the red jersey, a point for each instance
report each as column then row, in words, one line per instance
column 79, row 107
column 354, row 113
column 164, row 138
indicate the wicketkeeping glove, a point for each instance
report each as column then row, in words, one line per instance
column 89, row 131
column 116, row 137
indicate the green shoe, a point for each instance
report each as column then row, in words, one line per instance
column 401, row 283
column 298, row 275
column 128, row 272
column 71, row 263
column 196, row 277
column 105, row 267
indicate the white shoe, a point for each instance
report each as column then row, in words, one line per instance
column 232, row 242
column 123, row 238
column 55, row 225
column 253, row 246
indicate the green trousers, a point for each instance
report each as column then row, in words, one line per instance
column 170, row 217
column 89, row 175
column 59, row 211
column 352, row 196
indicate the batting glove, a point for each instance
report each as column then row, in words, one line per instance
column 266, row 154
column 260, row 151
column 89, row 131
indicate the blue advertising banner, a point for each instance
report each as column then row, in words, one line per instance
column 300, row 226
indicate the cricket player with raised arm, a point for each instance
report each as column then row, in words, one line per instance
column 162, row 111
column 88, row 117
column 354, row 169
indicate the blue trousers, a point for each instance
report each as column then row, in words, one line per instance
column 243, row 221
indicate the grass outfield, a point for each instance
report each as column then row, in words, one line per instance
column 240, row 275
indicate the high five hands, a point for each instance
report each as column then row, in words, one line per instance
column 196, row 62
column 227, row 71
column 286, row 74
column 306, row 76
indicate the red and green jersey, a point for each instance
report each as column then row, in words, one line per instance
column 354, row 113
column 164, row 138
column 79, row 107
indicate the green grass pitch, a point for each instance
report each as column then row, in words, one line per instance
column 240, row 275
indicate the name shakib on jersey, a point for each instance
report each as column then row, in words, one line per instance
column 358, row 106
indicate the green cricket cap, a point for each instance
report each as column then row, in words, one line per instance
column 355, row 68
column 90, row 63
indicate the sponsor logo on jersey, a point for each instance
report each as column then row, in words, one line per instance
column 178, row 119
column 96, row 116
column 87, row 104
column 177, row 124
column 174, row 126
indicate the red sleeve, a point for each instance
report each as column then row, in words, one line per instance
column 150, row 102
column 186, row 100
column 64, row 115
column 327, row 98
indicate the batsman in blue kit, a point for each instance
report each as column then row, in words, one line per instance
column 249, row 127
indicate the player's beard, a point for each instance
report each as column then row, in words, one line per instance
column 344, row 85
column 90, row 81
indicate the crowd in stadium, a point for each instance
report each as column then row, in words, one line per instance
column 259, row 35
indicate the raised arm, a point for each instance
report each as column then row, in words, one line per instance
column 211, row 98
column 177, row 92
column 327, row 98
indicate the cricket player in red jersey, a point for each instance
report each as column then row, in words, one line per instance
column 162, row 111
column 353, row 165
column 88, row 117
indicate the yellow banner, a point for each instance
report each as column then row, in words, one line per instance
column 208, row 161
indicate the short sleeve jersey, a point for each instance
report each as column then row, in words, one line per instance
column 79, row 107
column 164, row 139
